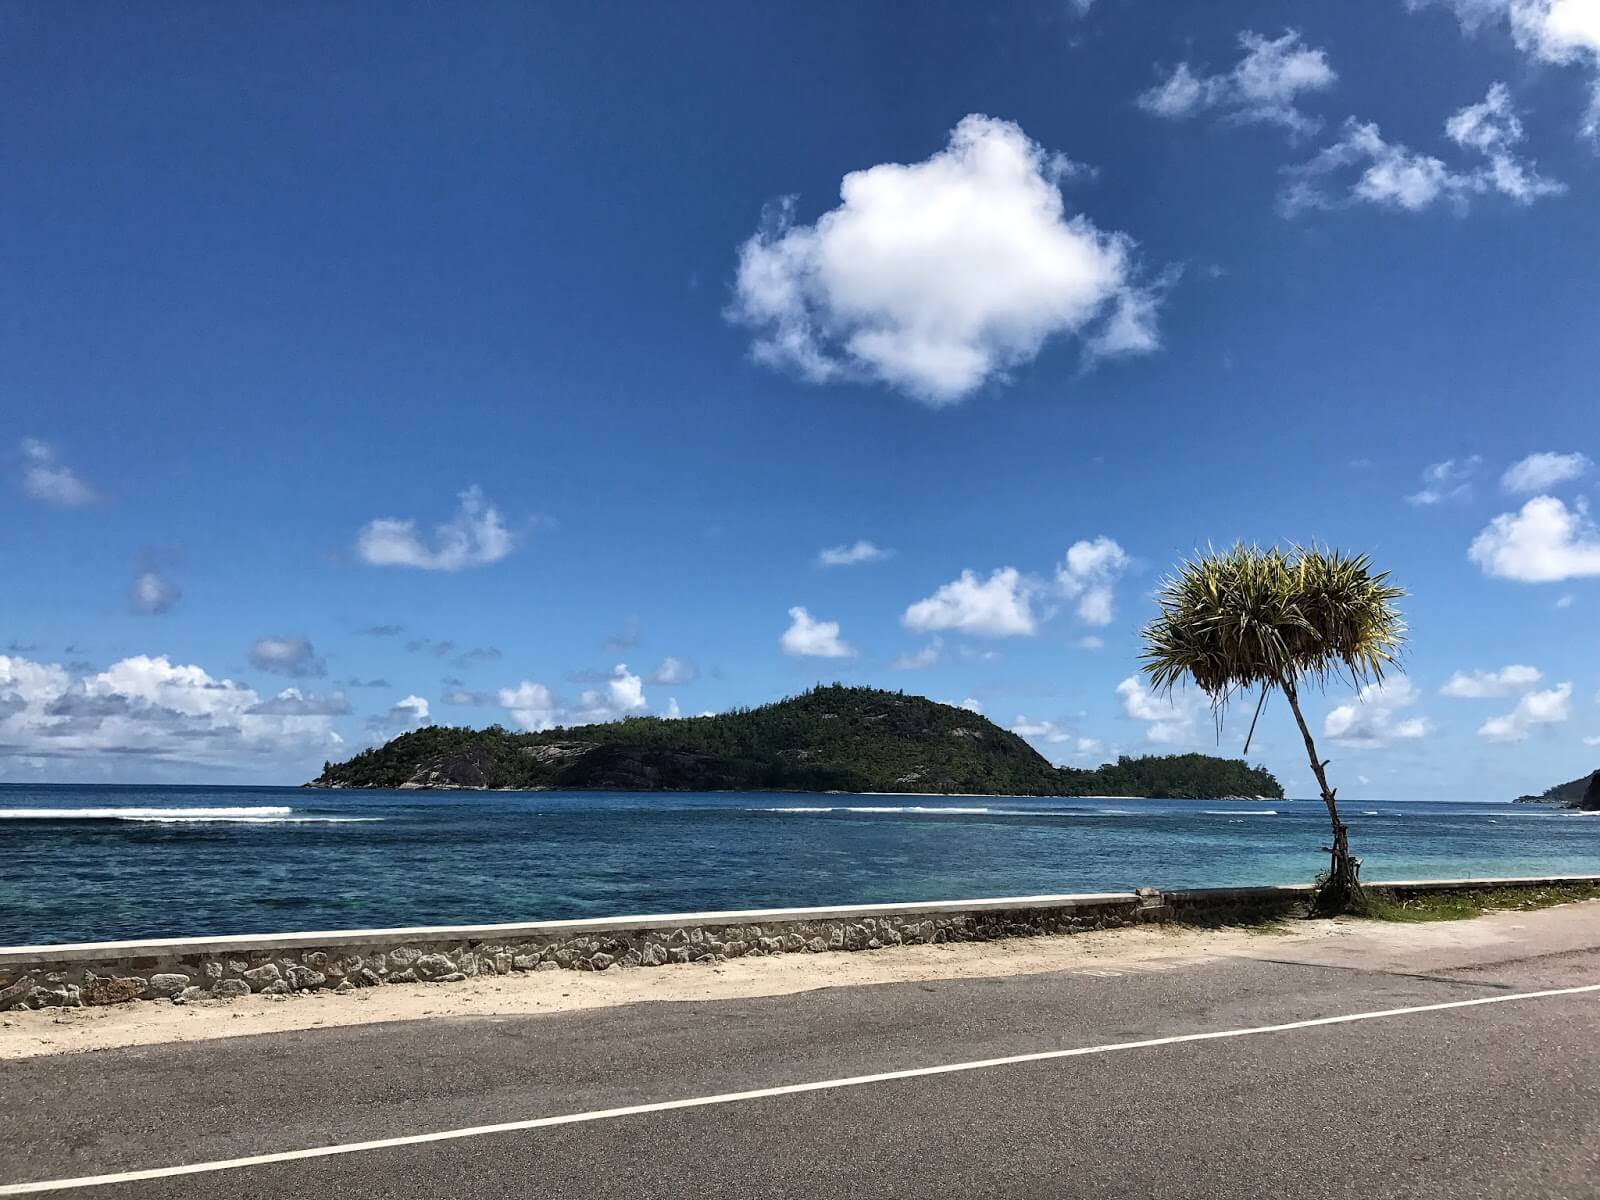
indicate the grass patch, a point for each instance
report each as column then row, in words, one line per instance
column 1463, row 905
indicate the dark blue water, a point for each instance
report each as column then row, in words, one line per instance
column 340, row 860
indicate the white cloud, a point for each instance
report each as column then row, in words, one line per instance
column 1536, row 708
column 1542, row 471
column 530, row 705
column 673, row 712
column 1366, row 168
column 916, row 660
column 972, row 704
column 1481, row 685
column 851, row 554
column 1169, row 718
column 937, row 276
column 1052, row 734
column 152, row 593
column 1561, row 32
column 286, row 656
column 675, row 671
column 625, row 691
column 1545, row 542
column 1263, row 86
column 149, row 709
column 47, row 479
column 1000, row 607
column 1090, row 642
column 1373, row 719
column 1447, row 480
column 1566, row 601
column 809, row 638
column 1089, row 575
column 475, row 537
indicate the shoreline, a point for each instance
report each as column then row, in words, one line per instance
column 1134, row 950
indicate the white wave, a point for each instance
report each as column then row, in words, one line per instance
column 1370, row 812
column 264, row 814
column 932, row 810
column 1234, row 812
column 251, row 820
column 118, row 814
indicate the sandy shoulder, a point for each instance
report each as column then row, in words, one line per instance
column 1149, row 948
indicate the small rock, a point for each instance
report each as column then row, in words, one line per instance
column 547, row 966
column 261, row 976
column 301, row 978
column 168, row 983
column 432, row 967
column 190, row 994
column 601, row 961
column 225, row 989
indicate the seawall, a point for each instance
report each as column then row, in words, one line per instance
column 203, row 968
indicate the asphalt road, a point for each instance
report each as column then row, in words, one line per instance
column 1496, row 1099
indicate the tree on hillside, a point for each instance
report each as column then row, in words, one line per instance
column 1272, row 619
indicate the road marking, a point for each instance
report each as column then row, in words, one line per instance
column 793, row 1089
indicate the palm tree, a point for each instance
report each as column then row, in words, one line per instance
column 1275, row 619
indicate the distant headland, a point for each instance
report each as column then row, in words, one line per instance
column 832, row 738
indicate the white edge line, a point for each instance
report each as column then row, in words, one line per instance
column 792, row 1089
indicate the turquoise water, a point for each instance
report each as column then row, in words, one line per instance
column 99, row 863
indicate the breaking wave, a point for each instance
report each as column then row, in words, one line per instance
column 923, row 810
column 258, row 815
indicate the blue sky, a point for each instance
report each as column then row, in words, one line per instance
column 369, row 365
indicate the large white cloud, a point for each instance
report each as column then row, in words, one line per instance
column 1089, row 575
column 46, row 478
column 474, row 537
column 807, row 637
column 1263, row 86
column 1001, row 606
column 1480, row 685
column 1543, row 543
column 1363, row 167
column 1374, row 718
column 1542, row 471
column 1563, row 32
column 150, row 708
column 936, row 276
column 531, row 705
column 1536, row 708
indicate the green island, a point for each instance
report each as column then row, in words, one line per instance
column 831, row 738
column 1581, row 793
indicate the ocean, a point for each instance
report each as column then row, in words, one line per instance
column 108, row 862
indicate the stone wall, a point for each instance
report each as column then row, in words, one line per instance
column 187, row 969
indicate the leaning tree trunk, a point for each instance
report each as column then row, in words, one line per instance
column 1341, row 891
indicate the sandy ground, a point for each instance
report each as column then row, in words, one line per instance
column 1149, row 948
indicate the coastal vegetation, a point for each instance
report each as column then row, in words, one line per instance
column 831, row 738
column 1463, row 905
column 1580, row 793
column 1264, row 620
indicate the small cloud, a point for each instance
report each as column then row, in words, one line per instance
column 1002, row 606
column 1263, row 87
column 1365, row 168
column 152, row 593
column 810, row 638
column 1546, row 542
column 851, row 554
column 1169, row 717
column 1543, row 471
column 1566, row 601
column 1091, row 642
column 383, row 631
column 356, row 682
column 1089, row 575
column 292, row 656
column 1536, row 708
column 478, row 654
column 917, row 660
column 1373, row 719
column 475, row 537
column 1447, row 480
column 45, row 478
column 292, row 702
column 464, row 698
column 1481, row 685
column 674, row 671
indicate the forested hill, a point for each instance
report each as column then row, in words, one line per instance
column 1582, row 792
column 828, row 739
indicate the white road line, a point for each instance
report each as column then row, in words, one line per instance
column 793, row 1089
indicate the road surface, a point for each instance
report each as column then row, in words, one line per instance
column 1329, row 1070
